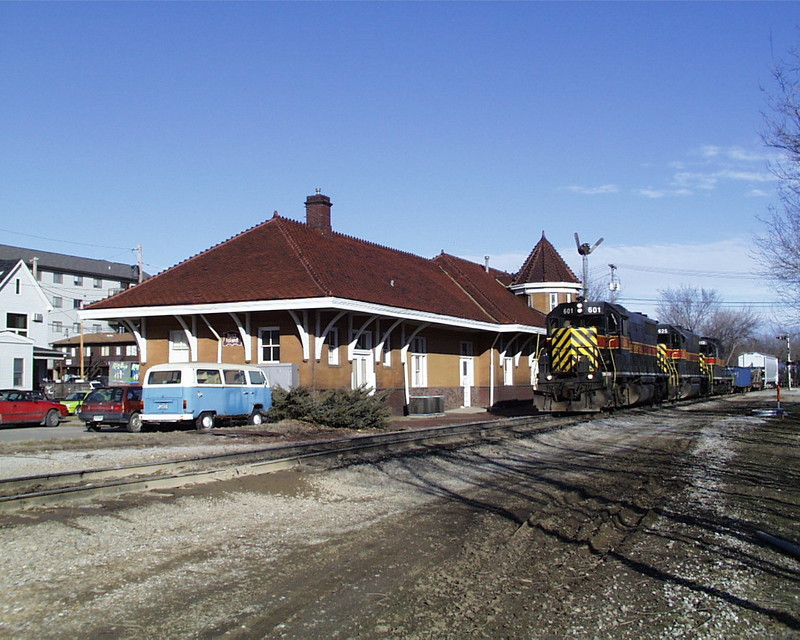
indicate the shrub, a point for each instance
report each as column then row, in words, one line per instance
column 337, row 408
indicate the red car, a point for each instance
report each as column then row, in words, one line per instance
column 30, row 406
column 117, row 406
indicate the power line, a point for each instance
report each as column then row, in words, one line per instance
column 739, row 275
column 83, row 244
column 725, row 303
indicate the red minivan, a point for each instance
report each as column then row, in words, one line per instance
column 117, row 406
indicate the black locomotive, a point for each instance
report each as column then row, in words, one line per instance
column 599, row 356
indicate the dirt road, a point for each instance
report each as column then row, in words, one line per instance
column 640, row 526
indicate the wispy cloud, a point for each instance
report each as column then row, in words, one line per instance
column 701, row 170
column 594, row 191
column 707, row 167
column 661, row 193
column 736, row 153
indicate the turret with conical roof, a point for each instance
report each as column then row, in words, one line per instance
column 545, row 279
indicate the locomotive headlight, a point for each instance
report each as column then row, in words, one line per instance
column 590, row 376
column 549, row 376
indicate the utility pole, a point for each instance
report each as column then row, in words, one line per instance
column 139, row 261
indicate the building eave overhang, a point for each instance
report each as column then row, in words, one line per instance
column 305, row 304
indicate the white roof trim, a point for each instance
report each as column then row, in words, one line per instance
column 554, row 287
column 303, row 304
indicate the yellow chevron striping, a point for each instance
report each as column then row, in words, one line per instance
column 572, row 344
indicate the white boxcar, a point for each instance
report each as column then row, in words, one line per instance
column 768, row 365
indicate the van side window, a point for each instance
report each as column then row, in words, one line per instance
column 234, row 376
column 164, row 377
column 134, row 394
column 208, row 376
column 258, row 378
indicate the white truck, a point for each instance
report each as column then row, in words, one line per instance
column 768, row 365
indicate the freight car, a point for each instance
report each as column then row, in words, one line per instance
column 599, row 355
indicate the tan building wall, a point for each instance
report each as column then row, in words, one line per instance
column 444, row 349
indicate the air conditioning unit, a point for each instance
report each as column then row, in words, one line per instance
column 425, row 405
column 38, row 317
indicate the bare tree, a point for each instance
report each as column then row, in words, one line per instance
column 688, row 307
column 701, row 311
column 778, row 246
column 732, row 327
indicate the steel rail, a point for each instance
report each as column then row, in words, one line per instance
column 69, row 487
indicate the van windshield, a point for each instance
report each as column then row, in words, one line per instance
column 164, row 377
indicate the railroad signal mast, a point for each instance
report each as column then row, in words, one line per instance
column 584, row 250
column 613, row 286
column 785, row 336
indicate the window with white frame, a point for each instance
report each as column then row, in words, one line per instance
column 97, row 283
column 58, row 278
column 131, row 350
column 364, row 341
column 57, row 326
column 269, row 344
column 17, row 323
column 105, row 350
column 332, row 339
column 18, row 377
column 77, row 281
column 553, row 301
column 58, row 302
column 76, row 327
column 419, row 362
column 87, row 352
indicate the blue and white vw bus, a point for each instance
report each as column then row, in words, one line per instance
column 205, row 393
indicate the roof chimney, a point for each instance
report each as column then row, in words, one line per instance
column 318, row 212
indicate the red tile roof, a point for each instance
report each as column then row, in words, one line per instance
column 284, row 259
column 486, row 288
column 545, row 264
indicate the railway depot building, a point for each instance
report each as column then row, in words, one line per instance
column 325, row 310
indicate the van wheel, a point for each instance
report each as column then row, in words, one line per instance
column 135, row 423
column 52, row 418
column 257, row 417
column 205, row 422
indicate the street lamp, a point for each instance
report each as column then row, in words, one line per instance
column 785, row 336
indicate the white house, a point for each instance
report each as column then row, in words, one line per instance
column 70, row 283
column 25, row 356
column 16, row 361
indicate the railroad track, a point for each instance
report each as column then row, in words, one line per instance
column 90, row 484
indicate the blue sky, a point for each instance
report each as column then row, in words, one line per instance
column 464, row 127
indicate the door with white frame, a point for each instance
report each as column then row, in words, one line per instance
column 466, row 365
column 364, row 363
